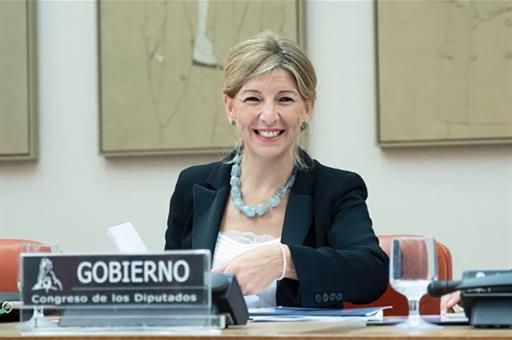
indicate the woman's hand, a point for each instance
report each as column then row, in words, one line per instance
column 257, row 268
column 448, row 301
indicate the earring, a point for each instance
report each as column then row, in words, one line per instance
column 232, row 122
column 304, row 125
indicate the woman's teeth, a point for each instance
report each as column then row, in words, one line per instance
column 269, row 134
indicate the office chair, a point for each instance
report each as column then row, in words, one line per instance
column 10, row 250
column 428, row 304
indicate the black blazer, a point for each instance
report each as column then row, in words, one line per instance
column 326, row 226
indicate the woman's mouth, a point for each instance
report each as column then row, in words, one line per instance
column 269, row 134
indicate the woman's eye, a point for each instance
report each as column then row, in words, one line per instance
column 286, row 100
column 251, row 99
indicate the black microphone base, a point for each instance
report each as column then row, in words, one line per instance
column 488, row 309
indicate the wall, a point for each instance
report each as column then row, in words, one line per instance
column 461, row 195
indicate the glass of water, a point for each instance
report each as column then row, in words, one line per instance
column 413, row 265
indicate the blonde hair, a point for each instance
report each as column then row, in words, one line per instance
column 263, row 53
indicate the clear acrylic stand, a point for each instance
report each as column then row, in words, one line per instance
column 125, row 320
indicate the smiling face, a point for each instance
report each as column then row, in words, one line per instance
column 268, row 111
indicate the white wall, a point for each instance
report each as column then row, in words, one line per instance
column 461, row 195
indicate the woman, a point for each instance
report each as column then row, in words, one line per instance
column 293, row 231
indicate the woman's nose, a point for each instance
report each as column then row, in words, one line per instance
column 269, row 114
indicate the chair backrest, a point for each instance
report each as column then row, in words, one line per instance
column 10, row 250
column 428, row 304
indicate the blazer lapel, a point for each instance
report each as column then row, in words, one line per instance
column 299, row 210
column 209, row 204
column 297, row 220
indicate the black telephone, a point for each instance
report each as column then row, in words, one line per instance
column 486, row 296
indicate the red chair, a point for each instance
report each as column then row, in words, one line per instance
column 428, row 304
column 10, row 250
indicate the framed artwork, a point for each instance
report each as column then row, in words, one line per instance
column 18, row 133
column 161, row 74
column 444, row 72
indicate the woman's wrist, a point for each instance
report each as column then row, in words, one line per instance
column 289, row 271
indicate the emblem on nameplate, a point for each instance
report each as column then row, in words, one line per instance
column 46, row 278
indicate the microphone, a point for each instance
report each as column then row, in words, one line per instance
column 439, row 288
column 498, row 283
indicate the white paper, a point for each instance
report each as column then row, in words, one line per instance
column 453, row 317
column 126, row 239
column 302, row 318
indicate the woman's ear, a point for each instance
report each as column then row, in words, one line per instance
column 310, row 106
column 228, row 106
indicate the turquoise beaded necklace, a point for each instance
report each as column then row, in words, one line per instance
column 261, row 208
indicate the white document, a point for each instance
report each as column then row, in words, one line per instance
column 126, row 239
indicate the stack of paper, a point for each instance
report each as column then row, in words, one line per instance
column 298, row 313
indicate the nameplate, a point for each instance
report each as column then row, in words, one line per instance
column 175, row 278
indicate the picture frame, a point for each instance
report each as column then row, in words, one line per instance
column 161, row 75
column 18, row 99
column 444, row 72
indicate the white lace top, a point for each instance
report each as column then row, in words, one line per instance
column 230, row 244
